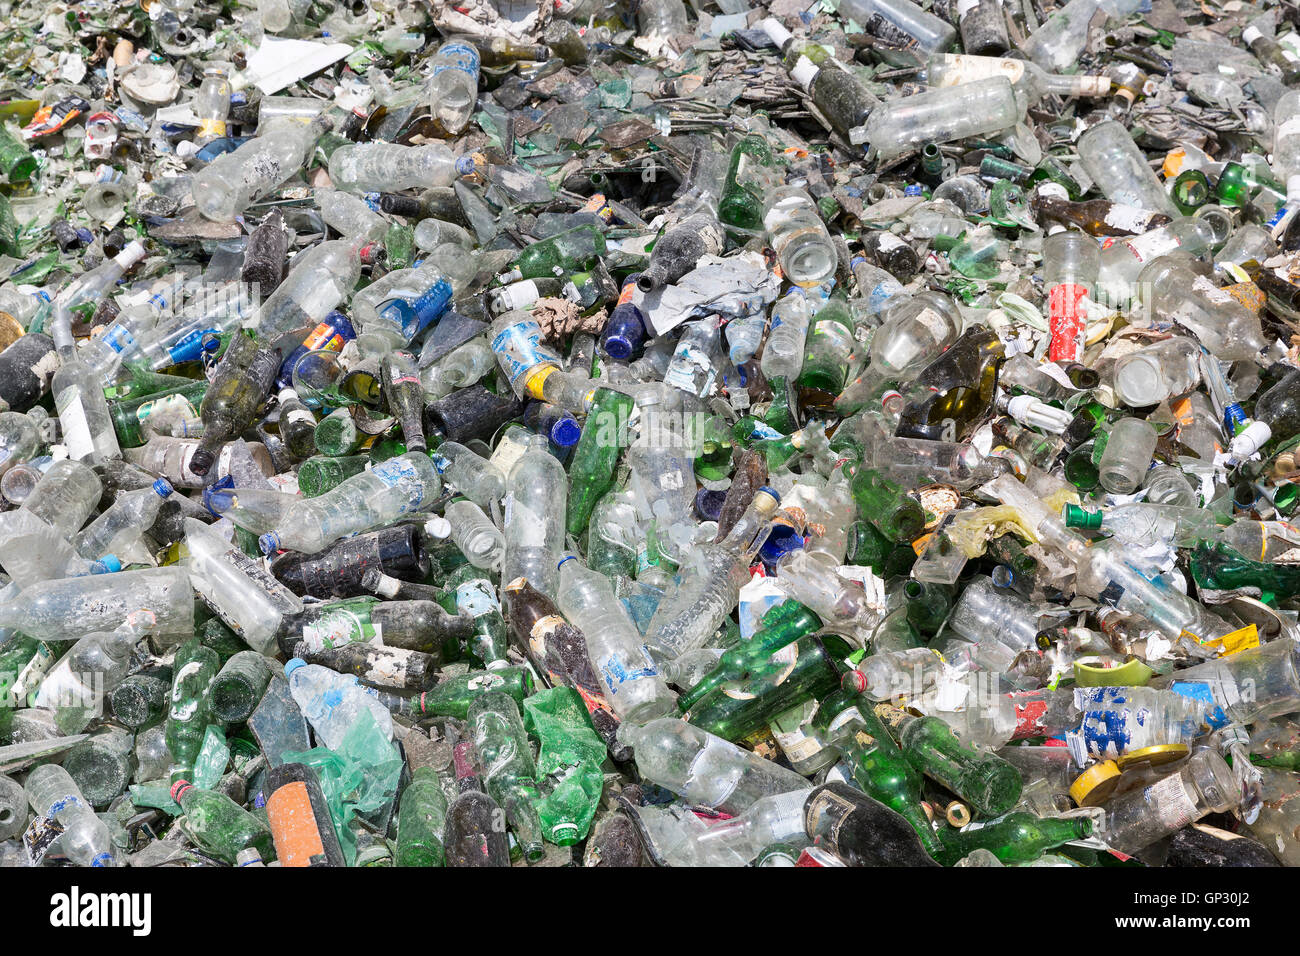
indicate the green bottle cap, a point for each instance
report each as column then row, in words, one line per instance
column 1076, row 517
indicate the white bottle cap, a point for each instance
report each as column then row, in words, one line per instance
column 804, row 71
column 438, row 527
column 776, row 32
column 1251, row 34
column 1293, row 189
column 285, row 394
column 132, row 254
column 1255, row 436
column 186, row 149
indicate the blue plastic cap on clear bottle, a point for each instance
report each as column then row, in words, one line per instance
column 162, row 488
column 293, row 664
column 771, row 491
column 269, row 542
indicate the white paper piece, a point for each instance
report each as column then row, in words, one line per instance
column 279, row 62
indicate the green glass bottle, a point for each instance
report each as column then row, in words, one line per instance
column 130, row 415
column 190, row 712
column 1219, row 567
column 218, row 825
column 468, row 591
column 744, row 191
column 452, row 696
column 780, row 413
column 24, row 662
column 509, row 771
column 879, row 766
column 928, row 604
column 399, row 245
column 869, row 548
column 139, row 382
column 9, row 230
column 591, row 470
column 830, row 346
column 1016, row 838
column 895, row 514
column 1081, row 467
column 779, row 627
column 987, row 782
column 815, row 672
column 337, row 435
column 421, row 819
column 16, row 163
column 320, row 473
column 576, row 250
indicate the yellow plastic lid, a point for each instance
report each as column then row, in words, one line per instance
column 1132, row 673
column 1092, row 787
column 1160, row 753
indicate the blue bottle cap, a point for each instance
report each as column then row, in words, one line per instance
column 110, row 564
column 162, row 488
column 269, row 542
column 771, row 491
column 566, row 432
column 293, row 665
column 780, row 542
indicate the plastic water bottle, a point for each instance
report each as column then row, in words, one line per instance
column 331, row 701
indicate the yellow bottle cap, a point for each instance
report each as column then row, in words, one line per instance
column 1094, row 786
column 1153, row 756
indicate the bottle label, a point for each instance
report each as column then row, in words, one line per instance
column 714, row 774
column 519, row 349
column 476, row 598
column 1067, row 318
column 401, row 474
column 212, row 128
column 281, row 598
column 825, row 814
column 118, row 338
column 458, row 56
column 962, row 68
column 189, row 347
column 344, row 625
column 28, row 680
column 1290, row 128
column 1127, row 218
column 615, row 673
column 1153, row 245
column 882, row 29
column 76, row 428
column 177, row 405
column 1175, row 807
column 797, row 745
column 293, row 820
column 966, row 6
column 325, row 337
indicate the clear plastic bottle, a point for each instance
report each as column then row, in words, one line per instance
column 783, row 353
column 702, row 769
column 913, row 28
column 1138, row 818
column 1056, row 44
column 407, row 484
column 20, row 439
column 380, row 166
column 65, row 496
column 537, row 493
column 331, row 701
column 1127, row 457
column 1122, row 262
column 226, row 186
column 1071, row 261
column 662, row 18
column 93, row 667
column 1286, row 143
column 636, row 692
column 1156, row 372
column 710, row 588
column 939, row 116
column 56, row 610
column 245, row 595
column 1119, row 168
column 985, row 612
column 54, row 795
column 319, row 280
column 469, row 473
column 799, row 237
column 476, row 536
column 349, row 215
column 117, row 530
column 453, row 85
column 1228, row 330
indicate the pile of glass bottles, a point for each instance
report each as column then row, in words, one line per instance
column 863, row 435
